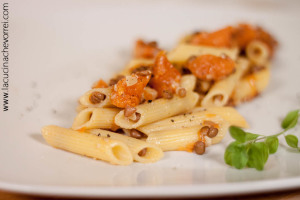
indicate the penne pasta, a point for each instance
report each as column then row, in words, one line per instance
column 258, row 52
column 250, row 86
column 188, row 82
column 180, row 121
column 102, row 148
column 184, row 139
column 151, row 112
column 142, row 151
column 134, row 63
column 96, row 98
column 220, row 92
column 96, row 118
column 196, row 117
column 229, row 114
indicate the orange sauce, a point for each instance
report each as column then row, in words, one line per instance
column 210, row 123
column 235, row 36
column 201, row 137
column 124, row 95
column 83, row 129
column 251, row 80
column 188, row 147
column 210, row 67
column 166, row 76
column 210, row 115
column 145, row 50
column 244, row 33
column 220, row 38
column 99, row 84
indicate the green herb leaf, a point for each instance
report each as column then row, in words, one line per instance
column 237, row 133
column 247, row 151
column 290, row 120
column 258, row 155
column 236, row 155
column 251, row 136
column 292, row 141
column 272, row 143
column 228, row 153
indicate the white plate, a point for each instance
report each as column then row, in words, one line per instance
column 59, row 48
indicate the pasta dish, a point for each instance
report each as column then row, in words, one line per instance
column 177, row 100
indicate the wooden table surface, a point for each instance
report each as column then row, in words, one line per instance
column 286, row 195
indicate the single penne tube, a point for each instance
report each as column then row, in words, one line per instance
column 220, row 92
column 180, row 121
column 156, row 110
column 184, row 139
column 102, row 148
column 258, row 52
column 135, row 63
column 229, row 114
column 251, row 85
column 196, row 117
column 188, row 82
column 97, row 98
column 96, row 118
column 142, row 151
column 183, row 52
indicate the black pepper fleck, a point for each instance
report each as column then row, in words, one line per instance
column 108, row 135
column 99, row 134
column 172, row 120
column 149, row 101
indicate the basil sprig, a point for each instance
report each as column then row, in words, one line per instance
column 252, row 150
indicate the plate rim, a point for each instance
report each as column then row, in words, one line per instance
column 181, row 190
